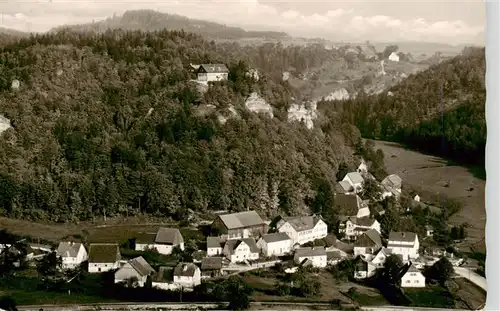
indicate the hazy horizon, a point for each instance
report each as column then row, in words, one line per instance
column 448, row 22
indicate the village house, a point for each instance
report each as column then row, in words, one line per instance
column 412, row 277
column 368, row 244
column 394, row 57
column 316, row 255
column 364, row 269
column 103, row 257
column 239, row 225
column 351, row 205
column 212, row 72
column 353, row 227
column 303, row 229
column 241, row 250
column 362, row 168
column 405, row 244
column 391, row 186
column 144, row 242
column 187, row 275
column 136, row 270
column 416, row 198
column 379, row 259
column 164, row 279
column 214, row 246
column 334, row 257
column 275, row 244
column 72, row 254
column 429, row 230
column 343, row 187
column 355, row 180
column 211, row 267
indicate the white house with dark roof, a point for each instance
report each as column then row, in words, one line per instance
column 138, row 269
column 394, row 57
column 353, row 227
column 343, row 187
column 405, row 244
column 144, row 241
column 239, row 225
column 212, row 72
column 412, row 277
column 214, row 246
column 316, row 255
column 275, row 244
column 303, row 229
column 368, row 244
column 241, row 250
column 168, row 238
column 391, row 186
column 213, row 266
column 355, row 180
column 103, row 257
column 72, row 254
column 187, row 275
column 351, row 205
column 363, row 269
column 379, row 259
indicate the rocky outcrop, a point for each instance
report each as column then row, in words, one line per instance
column 305, row 113
column 340, row 94
column 227, row 114
column 4, row 124
column 257, row 104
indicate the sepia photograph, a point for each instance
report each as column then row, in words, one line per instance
column 244, row 155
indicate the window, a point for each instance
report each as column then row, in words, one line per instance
column 408, row 281
column 416, row 282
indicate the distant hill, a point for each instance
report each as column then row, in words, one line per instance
column 8, row 35
column 149, row 20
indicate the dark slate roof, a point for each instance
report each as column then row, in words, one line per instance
column 241, row 220
column 170, row 236
column 348, row 204
column 68, row 249
column 185, row 269
column 214, row 68
column 363, row 221
column 333, row 255
column 370, row 238
column 213, row 263
column 214, row 242
column 164, row 275
column 309, row 252
column 104, row 253
column 141, row 266
column 275, row 237
column 145, row 238
column 233, row 244
column 361, row 265
column 402, row 237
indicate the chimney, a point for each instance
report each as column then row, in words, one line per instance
column 185, row 268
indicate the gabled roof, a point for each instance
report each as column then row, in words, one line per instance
column 214, row 242
column 392, row 181
column 409, row 268
column 370, row 238
column 68, row 249
column 241, row 220
column 310, row 252
column 104, row 253
column 355, row 177
column 233, row 244
column 275, row 237
column 141, row 266
column 363, row 221
column 348, row 204
column 170, row 236
column 300, row 223
column 332, row 255
column 164, row 275
column 214, row 68
column 185, row 269
column 361, row 265
column 213, row 263
column 385, row 251
column 145, row 238
column 343, row 187
column 402, row 237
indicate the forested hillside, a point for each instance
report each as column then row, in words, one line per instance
column 103, row 125
column 149, row 20
column 440, row 110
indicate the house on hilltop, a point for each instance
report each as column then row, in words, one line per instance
column 212, row 72
column 405, row 244
column 303, row 229
column 137, row 270
column 239, row 225
column 72, row 254
column 103, row 257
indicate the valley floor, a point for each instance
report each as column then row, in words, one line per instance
column 429, row 173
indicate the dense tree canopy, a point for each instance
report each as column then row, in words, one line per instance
column 105, row 124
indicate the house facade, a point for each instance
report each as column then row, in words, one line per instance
column 354, row 227
column 355, row 180
column 167, row 239
column 239, row 225
column 212, row 267
column 413, row 278
column 364, row 269
column 368, row 244
column 405, row 244
column 394, row 57
column 241, row 250
column 303, row 229
column 187, row 275
column 275, row 244
column 145, row 241
column 379, row 259
column 214, row 246
column 136, row 269
column 316, row 255
column 72, row 254
column 103, row 257
column 212, row 72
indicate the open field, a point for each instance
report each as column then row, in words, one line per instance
column 429, row 173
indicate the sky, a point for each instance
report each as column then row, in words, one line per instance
column 444, row 21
